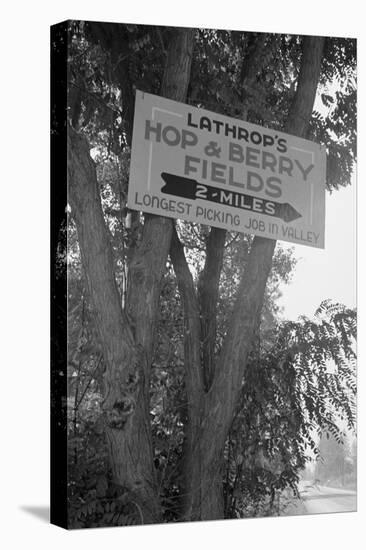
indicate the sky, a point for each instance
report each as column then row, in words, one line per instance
column 329, row 273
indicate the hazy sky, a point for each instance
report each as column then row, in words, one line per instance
column 328, row 273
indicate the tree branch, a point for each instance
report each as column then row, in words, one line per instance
column 209, row 281
column 302, row 105
column 243, row 322
column 96, row 253
column 149, row 260
column 251, row 67
column 192, row 355
column 226, row 385
column 208, row 289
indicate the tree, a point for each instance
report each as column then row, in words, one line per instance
column 107, row 61
column 297, row 388
column 212, row 409
column 127, row 352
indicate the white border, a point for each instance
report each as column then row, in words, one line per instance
column 25, row 269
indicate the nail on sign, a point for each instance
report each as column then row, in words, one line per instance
column 204, row 167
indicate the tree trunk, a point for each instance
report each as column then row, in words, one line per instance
column 212, row 411
column 204, row 500
column 208, row 293
column 125, row 418
column 126, row 336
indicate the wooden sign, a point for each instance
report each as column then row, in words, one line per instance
column 207, row 168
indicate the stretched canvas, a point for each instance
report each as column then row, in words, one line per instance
column 203, row 308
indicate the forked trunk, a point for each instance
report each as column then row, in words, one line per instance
column 211, row 409
column 203, row 498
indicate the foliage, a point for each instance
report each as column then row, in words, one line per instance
column 302, row 386
column 87, row 451
column 108, row 62
column 299, row 381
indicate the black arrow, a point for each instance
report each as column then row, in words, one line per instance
column 190, row 189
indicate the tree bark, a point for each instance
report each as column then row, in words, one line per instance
column 149, row 260
column 208, row 287
column 204, row 498
column 124, row 413
column 208, row 293
column 126, row 336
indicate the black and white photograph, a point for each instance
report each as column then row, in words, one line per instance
column 204, row 326
column 182, row 275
